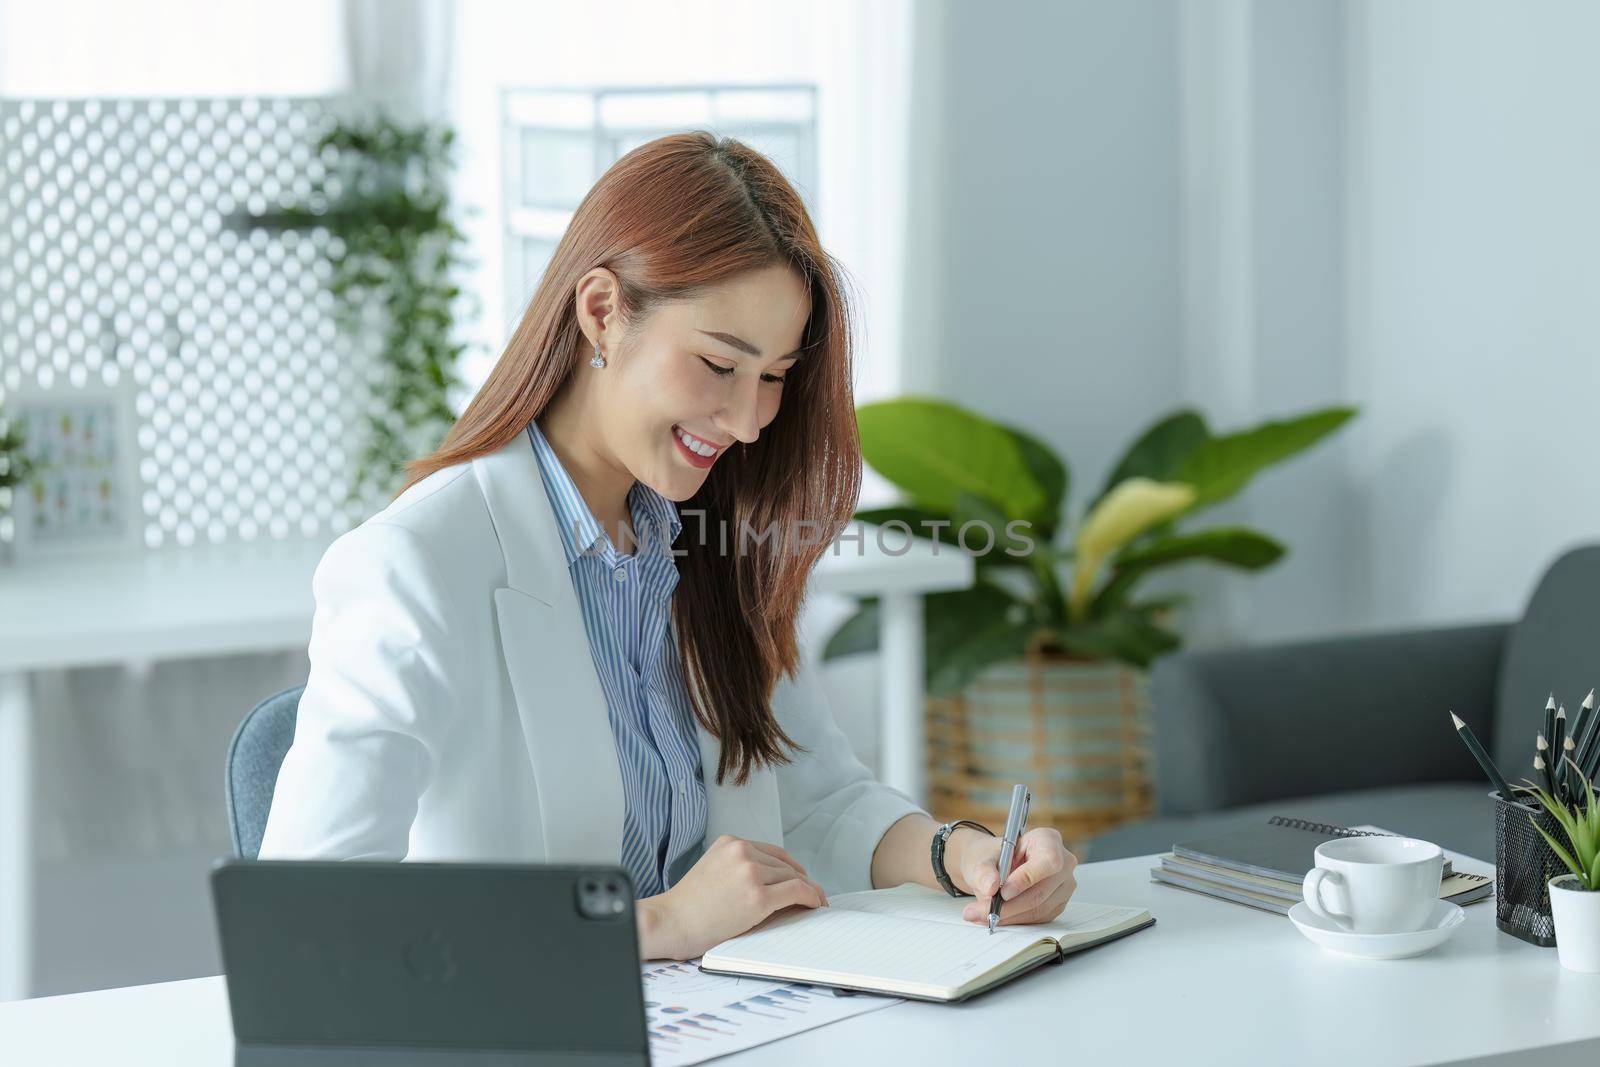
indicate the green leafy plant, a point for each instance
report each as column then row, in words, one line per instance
column 1581, row 825
column 1074, row 590
column 386, row 201
column 15, row 465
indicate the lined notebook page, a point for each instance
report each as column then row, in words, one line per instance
column 868, row 948
column 1080, row 921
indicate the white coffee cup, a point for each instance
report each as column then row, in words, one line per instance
column 1375, row 885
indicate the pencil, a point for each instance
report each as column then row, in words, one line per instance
column 1558, row 772
column 1587, row 739
column 1583, row 722
column 1590, row 765
column 1540, row 763
column 1471, row 741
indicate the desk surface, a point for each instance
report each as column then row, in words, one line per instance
column 1212, row 983
column 74, row 611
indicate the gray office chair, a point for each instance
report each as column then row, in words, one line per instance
column 254, row 756
column 1356, row 730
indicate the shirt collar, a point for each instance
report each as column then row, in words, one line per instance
column 581, row 532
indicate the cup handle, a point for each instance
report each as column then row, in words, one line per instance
column 1311, row 889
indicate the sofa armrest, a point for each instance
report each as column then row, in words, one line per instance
column 1243, row 726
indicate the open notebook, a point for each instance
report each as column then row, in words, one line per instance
column 911, row 941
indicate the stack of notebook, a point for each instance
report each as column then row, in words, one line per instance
column 1263, row 866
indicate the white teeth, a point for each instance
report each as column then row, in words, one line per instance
column 696, row 445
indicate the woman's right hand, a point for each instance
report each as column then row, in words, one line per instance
column 733, row 886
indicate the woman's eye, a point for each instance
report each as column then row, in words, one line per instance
column 772, row 377
column 717, row 368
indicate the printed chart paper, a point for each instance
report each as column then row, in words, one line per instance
column 694, row 1017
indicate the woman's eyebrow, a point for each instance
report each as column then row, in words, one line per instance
column 740, row 343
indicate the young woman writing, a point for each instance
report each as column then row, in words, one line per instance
column 571, row 637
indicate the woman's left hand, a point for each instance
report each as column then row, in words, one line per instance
column 1039, row 885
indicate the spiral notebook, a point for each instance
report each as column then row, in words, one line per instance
column 1282, row 848
column 1263, row 866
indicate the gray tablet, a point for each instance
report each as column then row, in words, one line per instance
column 364, row 963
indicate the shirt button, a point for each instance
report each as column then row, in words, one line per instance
column 620, row 574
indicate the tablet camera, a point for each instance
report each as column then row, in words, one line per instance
column 602, row 897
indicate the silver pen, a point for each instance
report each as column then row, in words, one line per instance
column 1016, row 818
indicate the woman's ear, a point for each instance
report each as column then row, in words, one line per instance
column 598, row 296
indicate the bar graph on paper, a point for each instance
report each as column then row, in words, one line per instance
column 693, row 1017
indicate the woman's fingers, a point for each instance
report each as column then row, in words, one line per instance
column 1040, row 904
column 795, row 891
column 1043, row 857
column 1048, row 910
column 774, row 871
column 778, row 853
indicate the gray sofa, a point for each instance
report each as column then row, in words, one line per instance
column 1357, row 730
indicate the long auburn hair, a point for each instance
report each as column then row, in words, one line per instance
column 672, row 217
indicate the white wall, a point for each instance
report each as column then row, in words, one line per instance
column 1263, row 206
column 1044, row 232
column 1474, row 184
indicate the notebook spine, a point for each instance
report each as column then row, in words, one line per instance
column 1330, row 830
column 1327, row 829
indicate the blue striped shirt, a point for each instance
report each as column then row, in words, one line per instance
column 626, row 602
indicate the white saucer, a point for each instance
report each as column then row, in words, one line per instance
column 1442, row 922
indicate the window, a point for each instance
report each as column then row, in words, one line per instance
column 557, row 143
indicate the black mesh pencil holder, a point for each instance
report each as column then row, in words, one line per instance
column 1523, row 866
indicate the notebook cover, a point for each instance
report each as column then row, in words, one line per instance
column 1462, row 888
column 1001, row 980
column 1284, row 849
column 1260, row 901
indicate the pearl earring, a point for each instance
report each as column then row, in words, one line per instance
column 597, row 360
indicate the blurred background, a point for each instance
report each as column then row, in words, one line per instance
column 251, row 255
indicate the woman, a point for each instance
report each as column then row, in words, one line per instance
column 533, row 654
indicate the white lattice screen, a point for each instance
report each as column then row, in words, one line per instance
column 117, row 265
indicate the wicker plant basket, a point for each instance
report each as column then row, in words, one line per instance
column 1076, row 731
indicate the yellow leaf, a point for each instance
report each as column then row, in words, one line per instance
column 1131, row 508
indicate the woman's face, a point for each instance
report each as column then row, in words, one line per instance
column 701, row 376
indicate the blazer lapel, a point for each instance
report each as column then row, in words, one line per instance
column 546, row 650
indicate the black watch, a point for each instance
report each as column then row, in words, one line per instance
column 940, row 836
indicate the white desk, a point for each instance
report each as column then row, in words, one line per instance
column 1211, row 983
column 84, row 611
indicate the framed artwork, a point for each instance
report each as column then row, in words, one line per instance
column 83, row 494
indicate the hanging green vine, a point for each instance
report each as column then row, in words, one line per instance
column 15, row 466
column 386, row 202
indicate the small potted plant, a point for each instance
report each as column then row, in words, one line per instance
column 1575, row 897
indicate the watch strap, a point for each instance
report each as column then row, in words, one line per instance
column 940, row 836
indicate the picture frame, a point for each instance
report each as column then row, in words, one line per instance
column 83, row 494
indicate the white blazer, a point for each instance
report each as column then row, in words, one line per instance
column 453, row 712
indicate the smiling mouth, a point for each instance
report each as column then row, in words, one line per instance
column 698, row 452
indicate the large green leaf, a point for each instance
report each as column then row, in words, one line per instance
column 946, row 529
column 1234, row 546
column 969, row 629
column 1127, row 635
column 858, row 633
column 923, row 522
column 965, row 630
column 935, row 450
column 1050, row 470
column 1160, row 451
column 1219, row 467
